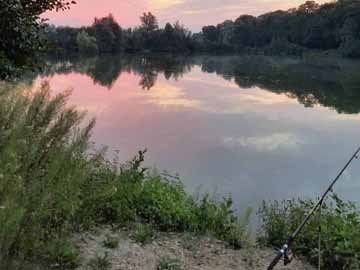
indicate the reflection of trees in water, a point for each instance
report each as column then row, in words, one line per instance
column 331, row 84
column 335, row 85
column 105, row 70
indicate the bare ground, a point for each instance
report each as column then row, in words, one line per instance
column 191, row 253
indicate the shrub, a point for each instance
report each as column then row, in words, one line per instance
column 167, row 263
column 340, row 236
column 144, row 233
column 62, row 254
column 100, row 262
column 42, row 166
column 111, row 242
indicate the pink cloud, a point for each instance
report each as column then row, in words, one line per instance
column 84, row 12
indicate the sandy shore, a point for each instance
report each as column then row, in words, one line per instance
column 187, row 253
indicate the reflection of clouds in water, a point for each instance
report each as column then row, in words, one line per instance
column 351, row 117
column 198, row 76
column 167, row 95
column 244, row 101
column 259, row 96
column 277, row 141
column 213, row 100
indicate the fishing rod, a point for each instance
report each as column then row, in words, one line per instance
column 283, row 252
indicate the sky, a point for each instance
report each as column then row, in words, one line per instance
column 192, row 13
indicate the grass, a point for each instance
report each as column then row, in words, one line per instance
column 100, row 262
column 340, row 234
column 167, row 263
column 53, row 184
column 144, row 233
column 63, row 253
column 111, row 242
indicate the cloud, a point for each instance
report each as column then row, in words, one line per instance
column 166, row 95
column 273, row 142
column 163, row 4
column 192, row 13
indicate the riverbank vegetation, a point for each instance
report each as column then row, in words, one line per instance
column 338, row 223
column 52, row 185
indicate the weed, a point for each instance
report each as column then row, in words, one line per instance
column 188, row 242
column 111, row 242
column 144, row 233
column 62, row 254
column 167, row 263
column 100, row 262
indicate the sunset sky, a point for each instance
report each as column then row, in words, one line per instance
column 192, row 13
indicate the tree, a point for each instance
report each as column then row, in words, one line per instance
column 309, row 7
column 20, row 28
column 36, row 8
column 169, row 30
column 149, row 22
column 86, row 44
column 350, row 48
column 244, row 31
column 210, row 33
column 108, row 34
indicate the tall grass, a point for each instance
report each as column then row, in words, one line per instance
column 53, row 184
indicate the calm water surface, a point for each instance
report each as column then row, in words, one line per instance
column 257, row 128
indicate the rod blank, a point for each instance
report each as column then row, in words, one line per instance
column 283, row 251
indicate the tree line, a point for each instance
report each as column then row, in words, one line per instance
column 105, row 35
column 331, row 26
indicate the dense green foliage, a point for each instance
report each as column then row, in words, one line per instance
column 51, row 186
column 331, row 26
column 42, row 169
column 168, row 263
column 20, row 28
column 110, row 37
column 334, row 25
column 340, row 235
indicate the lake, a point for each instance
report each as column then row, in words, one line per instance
column 258, row 128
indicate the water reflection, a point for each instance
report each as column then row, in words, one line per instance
column 234, row 124
column 332, row 84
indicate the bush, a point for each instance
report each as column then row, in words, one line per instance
column 62, row 254
column 144, row 234
column 42, row 166
column 111, row 242
column 100, row 262
column 167, row 263
column 340, row 236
